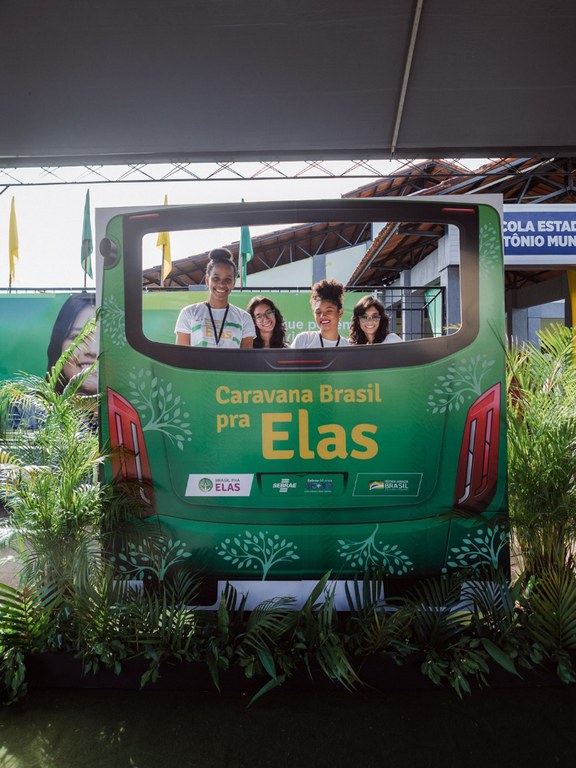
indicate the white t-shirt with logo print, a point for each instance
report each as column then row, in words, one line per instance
column 309, row 339
column 195, row 319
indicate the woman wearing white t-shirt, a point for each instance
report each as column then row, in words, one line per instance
column 370, row 323
column 326, row 302
column 216, row 323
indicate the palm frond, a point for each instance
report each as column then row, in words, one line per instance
column 541, row 426
column 25, row 615
column 367, row 592
column 493, row 601
column 315, row 636
column 55, row 375
column 437, row 614
column 552, row 602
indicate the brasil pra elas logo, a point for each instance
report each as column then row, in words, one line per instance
column 219, row 485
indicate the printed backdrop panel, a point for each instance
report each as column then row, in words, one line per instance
column 27, row 322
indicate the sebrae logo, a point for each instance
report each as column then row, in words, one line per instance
column 284, row 485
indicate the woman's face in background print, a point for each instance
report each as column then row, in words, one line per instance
column 85, row 355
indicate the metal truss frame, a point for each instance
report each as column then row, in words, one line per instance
column 137, row 173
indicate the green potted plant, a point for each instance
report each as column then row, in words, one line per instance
column 542, row 447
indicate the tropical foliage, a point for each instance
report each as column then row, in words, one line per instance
column 49, row 467
column 542, row 447
column 141, row 603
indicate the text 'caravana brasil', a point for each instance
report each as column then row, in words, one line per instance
column 326, row 394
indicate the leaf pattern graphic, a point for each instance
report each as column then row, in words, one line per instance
column 462, row 382
column 480, row 549
column 112, row 318
column 369, row 552
column 257, row 551
column 160, row 409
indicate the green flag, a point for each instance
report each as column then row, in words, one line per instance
column 87, row 247
column 245, row 253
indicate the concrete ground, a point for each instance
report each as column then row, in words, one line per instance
column 9, row 566
column 529, row 727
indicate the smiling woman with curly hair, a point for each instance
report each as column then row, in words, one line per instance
column 326, row 302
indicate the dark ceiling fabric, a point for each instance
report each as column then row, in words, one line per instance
column 143, row 81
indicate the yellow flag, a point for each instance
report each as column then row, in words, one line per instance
column 571, row 274
column 13, row 241
column 164, row 243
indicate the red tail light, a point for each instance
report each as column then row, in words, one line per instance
column 129, row 455
column 477, row 474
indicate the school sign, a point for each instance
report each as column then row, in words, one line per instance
column 531, row 231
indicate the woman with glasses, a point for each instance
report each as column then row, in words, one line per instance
column 370, row 323
column 269, row 323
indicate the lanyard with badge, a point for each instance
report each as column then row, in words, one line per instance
column 217, row 334
column 322, row 340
